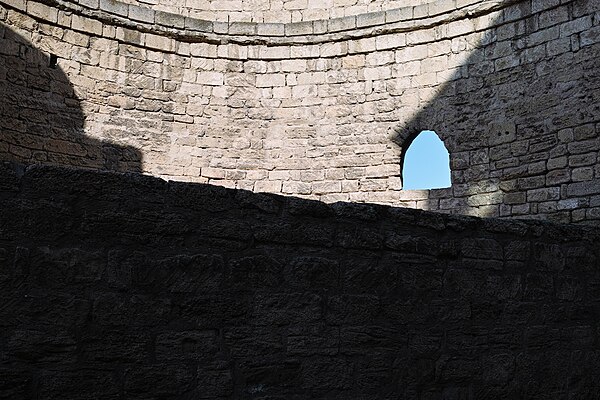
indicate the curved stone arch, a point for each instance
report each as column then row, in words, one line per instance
column 439, row 146
column 268, row 12
column 188, row 29
column 405, row 135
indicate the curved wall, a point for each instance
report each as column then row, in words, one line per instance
column 286, row 11
column 199, row 292
column 321, row 109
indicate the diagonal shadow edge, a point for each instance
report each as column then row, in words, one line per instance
column 41, row 116
column 498, row 101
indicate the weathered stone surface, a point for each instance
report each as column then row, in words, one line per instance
column 316, row 99
column 119, row 285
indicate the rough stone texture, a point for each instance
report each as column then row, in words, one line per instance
column 42, row 116
column 127, row 286
column 512, row 91
column 286, row 11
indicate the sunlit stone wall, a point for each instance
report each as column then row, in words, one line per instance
column 286, row 11
column 322, row 109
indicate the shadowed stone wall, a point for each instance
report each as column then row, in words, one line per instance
column 323, row 109
column 126, row 286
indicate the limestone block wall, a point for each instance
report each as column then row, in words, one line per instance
column 320, row 109
column 118, row 286
column 286, row 11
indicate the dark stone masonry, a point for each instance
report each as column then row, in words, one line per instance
column 118, row 286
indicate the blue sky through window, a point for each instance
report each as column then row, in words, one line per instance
column 426, row 163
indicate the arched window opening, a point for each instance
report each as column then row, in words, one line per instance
column 426, row 163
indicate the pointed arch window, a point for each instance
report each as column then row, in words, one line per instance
column 426, row 163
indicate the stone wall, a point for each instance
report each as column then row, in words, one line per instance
column 126, row 286
column 320, row 109
column 286, row 11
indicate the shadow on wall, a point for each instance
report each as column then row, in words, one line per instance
column 41, row 120
column 519, row 114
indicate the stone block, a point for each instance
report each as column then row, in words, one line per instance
column 299, row 28
column 546, row 194
column 86, row 25
column 531, row 182
column 580, row 160
column 364, row 45
column 500, row 132
column 584, row 146
column 130, row 36
column 203, row 50
column 141, row 14
column 370, row 19
column 93, row 4
column 391, row 41
column 327, row 187
column 441, row 7
column 212, row 173
column 434, row 64
column 296, row 187
column 160, row 42
column 303, row 91
column 421, row 36
column 308, row 51
column 64, row 20
column 271, row 29
column 210, row 78
column 270, row 80
column 193, row 24
column 582, row 174
column 293, row 65
column 558, row 162
column 268, row 186
column 515, row 198
column 398, row 14
column 320, row 26
column 242, row 28
column 335, row 49
column 379, row 58
column 421, row 11
column 341, row 24
column 114, row 7
column 412, row 53
column 543, row 36
column 590, row 36
column 559, row 46
column 220, row 27
column 42, row 11
column 540, row 5
column 18, row 4
column 460, row 28
column 425, row 79
column 310, row 78
column 353, row 62
column 558, row 176
column 77, row 39
column 552, row 17
column 273, row 52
